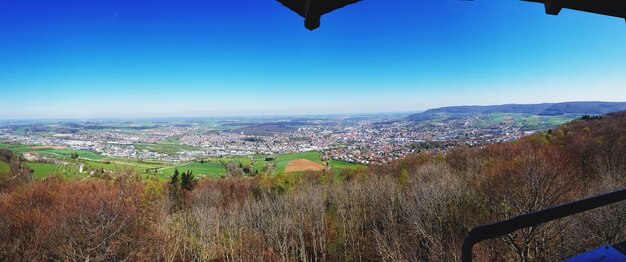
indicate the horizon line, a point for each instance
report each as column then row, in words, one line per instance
column 182, row 116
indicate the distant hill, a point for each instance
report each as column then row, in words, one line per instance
column 546, row 109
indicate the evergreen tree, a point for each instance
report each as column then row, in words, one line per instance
column 175, row 192
column 174, row 180
column 188, row 181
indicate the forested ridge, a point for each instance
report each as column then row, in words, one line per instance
column 418, row 208
column 546, row 109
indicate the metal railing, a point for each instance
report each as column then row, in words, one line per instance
column 502, row 228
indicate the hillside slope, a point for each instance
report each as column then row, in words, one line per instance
column 546, row 109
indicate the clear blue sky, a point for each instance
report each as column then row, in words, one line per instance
column 127, row 58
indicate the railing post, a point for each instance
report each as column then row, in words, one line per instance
column 502, row 228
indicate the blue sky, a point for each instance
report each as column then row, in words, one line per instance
column 128, row 58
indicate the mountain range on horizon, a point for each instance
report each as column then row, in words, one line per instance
column 543, row 109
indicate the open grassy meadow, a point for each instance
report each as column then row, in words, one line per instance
column 338, row 166
column 214, row 167
column 4, row 167
column 50, row 152
column 43, row 170
column 282, row 160
column 215, row 170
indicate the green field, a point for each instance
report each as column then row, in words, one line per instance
column 212, row 167
column 215, row 170
column 66, row 153
column 125, row 162
column 257, row 161
column 282, row 160
column 43, row 170
column 120, row 166
column 338, row 166
column 14, row 148
column 259, row 164
column 4, row 167
column 55, row 153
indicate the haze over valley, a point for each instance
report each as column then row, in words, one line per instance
column 337, row 141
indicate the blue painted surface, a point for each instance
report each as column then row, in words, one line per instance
column 602, row 254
